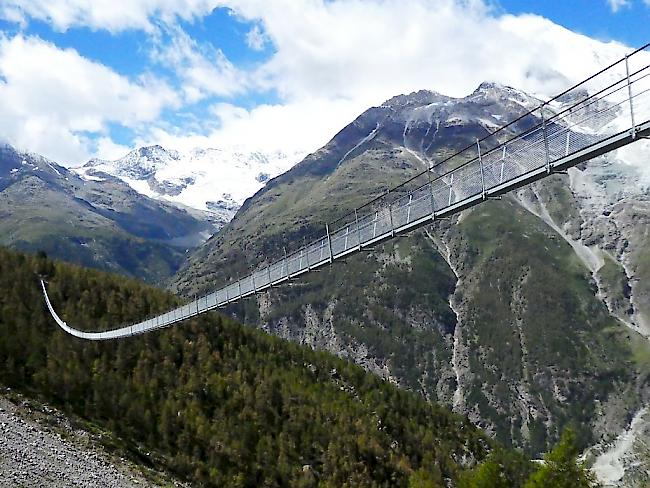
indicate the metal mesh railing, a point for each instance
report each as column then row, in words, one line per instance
column 593, row 117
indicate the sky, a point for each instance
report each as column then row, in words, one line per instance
column 83, row 79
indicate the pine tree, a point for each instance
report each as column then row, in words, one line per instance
column 561, row 468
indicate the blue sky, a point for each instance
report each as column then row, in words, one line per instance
column 95, row 79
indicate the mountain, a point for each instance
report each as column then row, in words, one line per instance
column 96, row 222
column 527, row 313
column 216, row 181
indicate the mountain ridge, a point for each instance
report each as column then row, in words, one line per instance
column 212, row 180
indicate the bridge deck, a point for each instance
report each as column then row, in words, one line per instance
column 559, row 138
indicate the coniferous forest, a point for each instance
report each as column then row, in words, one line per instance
column 222, row 404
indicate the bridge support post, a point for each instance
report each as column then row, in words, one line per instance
column 268, row 274
column 286, row 264
column 629, row 94
column 329, row 241
column 253, row 281
column 408, row 212
column 356, row 219
column 503, row 164
column 451, row 188
column 480, row 163
column 238, row 286
column 433, row 202
column 545, row 137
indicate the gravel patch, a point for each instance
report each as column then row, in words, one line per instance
column 33, row 454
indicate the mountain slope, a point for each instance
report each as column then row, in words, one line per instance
column 496, row 313
column 214, row 402
column 104, row 224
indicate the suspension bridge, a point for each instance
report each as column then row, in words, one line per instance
column 606, row 111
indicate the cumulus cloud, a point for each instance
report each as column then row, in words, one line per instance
column 299, row 126
column 54, row 99
column 203, row 70
column 376, row 49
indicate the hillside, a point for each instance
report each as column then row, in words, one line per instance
column 98, row 222
column 214, row 402
column 524, row 314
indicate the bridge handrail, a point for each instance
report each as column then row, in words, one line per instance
column 554, row 142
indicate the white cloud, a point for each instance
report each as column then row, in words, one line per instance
column 375, row 49
column 331, row 59
column 52, row 99
column 109, row 149
column 616, row 5
column 303, row 125
column 203, row 70
column 112, row 15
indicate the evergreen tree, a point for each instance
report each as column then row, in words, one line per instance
column 561, row 468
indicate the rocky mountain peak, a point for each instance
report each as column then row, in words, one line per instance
column 492, row 92
column 418, row 98
column 143, row 162
column 15, row 163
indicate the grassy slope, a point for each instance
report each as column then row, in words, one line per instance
column 35, row 217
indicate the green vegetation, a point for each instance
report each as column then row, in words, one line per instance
column 224, row 405
column 560, row 468
column 501, row 469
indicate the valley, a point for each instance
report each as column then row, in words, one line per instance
column 525, row 315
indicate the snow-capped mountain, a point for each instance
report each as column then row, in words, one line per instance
column 216, row 181
column 102, row 224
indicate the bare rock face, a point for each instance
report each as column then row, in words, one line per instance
column 613, row 197
column 625, row 461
